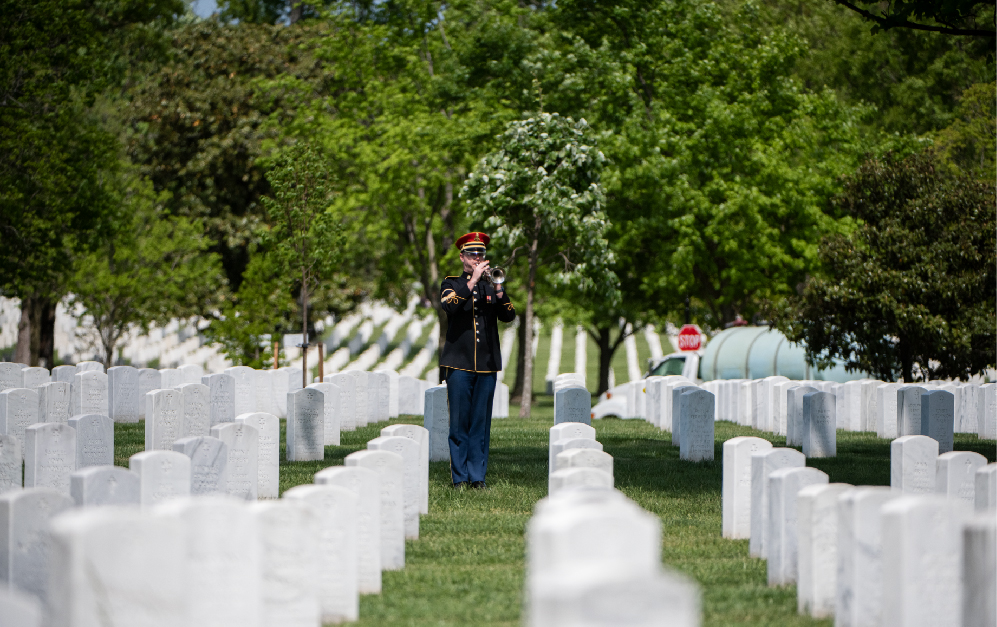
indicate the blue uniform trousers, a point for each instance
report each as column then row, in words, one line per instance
column 469, row 395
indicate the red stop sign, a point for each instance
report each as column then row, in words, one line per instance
column 690, row 338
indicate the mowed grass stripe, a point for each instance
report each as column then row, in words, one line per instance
column 467, row 567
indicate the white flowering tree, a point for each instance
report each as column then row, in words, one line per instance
column 539, row 196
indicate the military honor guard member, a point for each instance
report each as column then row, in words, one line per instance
column 472, row 358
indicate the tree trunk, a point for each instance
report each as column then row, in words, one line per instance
column 606, row 350
column 527, row 400
column 515, row 396
column 23, row 352
column 46, row 333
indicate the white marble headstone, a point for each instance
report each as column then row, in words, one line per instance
column 764, row 463
column 675, row 399
column 584, row 458
column 437, row 421
column 117, row 566
column 859, row 578
column 938, row 417
column 331, row 397
column 566, row 430
column 736, row 491
column 565, row 444
column 781, row 537
column 581, row 477
column 572, row 404
column 64, row 373
column 909, row 410
column 421, row 436
column 389, row 467
column 53, row 401
column 18, row 410
column 912, row 464
column 986, row 412
column 19, row 609
column 289, row 532
column 89, row 393
column 697, row 420
column 191, row 373
column 819, row 425
column 243, row 443
column 336, row 550
column 49, row 456
column 379, row 396
column 887, row 412
column 347, row 400
column 362, row 399
column 164, row 418
column 955, row 474
column 979, row 570
column 244, row 394
column 24, row 552
column 264, row 392
column 366, row 485
column 89, row 366
column 208, row 463
column 221, row 395
column 986, row 488
column 409, row 395
column 268, row 428
column 817, row 548
column 411, row 472
column 149, row 379
column 33, row 377
column 195, row 399
column 123, row 395
column 94, row 440
column 163, row 475
column 305, row 425
column 104, row 485
column 11, row 458
column 794, row 413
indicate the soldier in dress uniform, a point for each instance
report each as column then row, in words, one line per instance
column 471, row 358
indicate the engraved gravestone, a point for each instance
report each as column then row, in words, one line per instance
column 411, row 484
column 794, row 413
column 697, row 420
column 570, row 478
column 736, row 490
column 817, row 543
column 336, row 549
column 94, row 440
column 221, row 558
column 123, row 394
column 869, row 404
column 268, row 429
column 938, row 418
column 986, row 488
column 392, row 392
column 675, row 399
column 781, row 539
column 565, row 430
column 986, row 412
column 366, row 485
column 117, row 566
column 925, row 530
column 264, row 392
column 64, row 373
column 305, row 425
column 191, row 373
column 421, row 437
column 208, row 463
column 887, row 410
column 389, row 467
column 163, row 475
column 33, row 377
column 852, row 418
column 53, row 401
column 89, row 366
column 955, row 474
column 10, row 376
column 281, row 387
column 164, row 419
column 18, row 410
column 819, row 424
column 859, row 581
column 288, row 531
column 379, row 396
column 437, row 421
column 331, row 401
column 221, row 395
column 243, row 442
column 49, row 456
column 565, row 444
column 409, row 395
column 89, row 393
column 361, row 404
column 10, row 463
column 104, row 485
column 24, row 546
column 912, row 464
column 584, row 458
column 573, row 404
column 909, row 410
column 171, row 378
column 347, row 400
column 244, row 391
column 764, row 463
column 149, row 379
column 196, row 409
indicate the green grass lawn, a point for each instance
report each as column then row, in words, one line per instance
column 467, row 566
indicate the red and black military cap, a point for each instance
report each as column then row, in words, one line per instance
column 472, row 241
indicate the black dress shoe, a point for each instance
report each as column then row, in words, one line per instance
column 460, row 485
column 478, row 485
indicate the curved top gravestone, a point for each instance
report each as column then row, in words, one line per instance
column 572, row 404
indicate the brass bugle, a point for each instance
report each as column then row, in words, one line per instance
column 496, row 275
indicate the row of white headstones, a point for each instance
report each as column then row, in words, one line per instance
column 177, row 542
column 908, row 554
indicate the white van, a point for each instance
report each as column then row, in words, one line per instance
column 614, row 402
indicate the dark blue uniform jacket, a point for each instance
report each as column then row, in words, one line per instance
column 472, row 336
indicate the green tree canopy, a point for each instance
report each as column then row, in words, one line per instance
column 913, row 283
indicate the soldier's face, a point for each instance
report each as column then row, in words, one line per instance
column 472, row 259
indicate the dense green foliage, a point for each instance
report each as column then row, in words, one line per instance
column 914, row 283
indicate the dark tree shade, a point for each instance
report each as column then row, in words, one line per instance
column 913, row 283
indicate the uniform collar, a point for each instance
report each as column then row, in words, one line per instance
column 466, row 275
